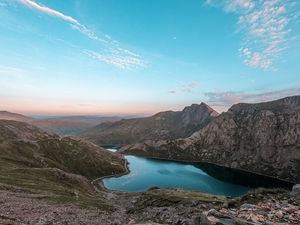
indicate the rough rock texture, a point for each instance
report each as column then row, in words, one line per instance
column 162, row 126
column 155, row 207
column 263, row 138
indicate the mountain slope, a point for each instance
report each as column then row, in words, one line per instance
column 262, row 138
column 163, row 125
column 5, row 115
column 35, row 160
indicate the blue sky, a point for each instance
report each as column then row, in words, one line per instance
column 140, row 56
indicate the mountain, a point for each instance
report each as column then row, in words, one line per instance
column 61, row 168
column 5, row 115
column 72, row 125
column 164, row 125
column 263, row 138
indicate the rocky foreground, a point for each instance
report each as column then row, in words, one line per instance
column 174, row 207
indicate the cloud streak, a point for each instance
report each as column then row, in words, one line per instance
column 223, row 100
column 111, row 54
column 266, row 26
column 49, row 11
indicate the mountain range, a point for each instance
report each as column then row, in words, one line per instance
column 166, row 125
column 262, row 138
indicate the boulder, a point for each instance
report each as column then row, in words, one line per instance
column 296, row 191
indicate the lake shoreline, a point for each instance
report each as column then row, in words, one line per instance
column 98, row 182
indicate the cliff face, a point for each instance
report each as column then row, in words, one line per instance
column 167, row 125
column 262, row 138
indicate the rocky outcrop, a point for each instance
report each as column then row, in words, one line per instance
column 167, row 125
column 263, row 138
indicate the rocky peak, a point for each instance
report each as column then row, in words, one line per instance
column 196, row 113
column 199, row 108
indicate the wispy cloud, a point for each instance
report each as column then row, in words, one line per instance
column 223, row 100
column 189, row 87
column 266, row 25
column 118, row 57
column 111, row 53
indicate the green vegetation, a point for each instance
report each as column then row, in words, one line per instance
column 59, row 168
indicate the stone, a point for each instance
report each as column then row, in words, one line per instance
column 296, row 191
column 225, row 221
column 201, row 220
column 248, row 206
column 279, row 214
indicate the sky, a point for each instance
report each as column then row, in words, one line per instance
column 104, row 57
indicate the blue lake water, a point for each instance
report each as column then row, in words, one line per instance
column 146, row 173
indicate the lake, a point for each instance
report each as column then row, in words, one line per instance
column 146, row 173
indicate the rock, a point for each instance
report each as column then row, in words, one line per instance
column 183, row 222
column 270, row 223
column 225, row 221
column 279, row 214
column 254, row 218
column 296, row 191
column 212, row 212
column 248, row 206
column 284, row 203
column 291, row 209
column 201, row 220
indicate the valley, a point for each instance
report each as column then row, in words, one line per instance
column 70, row 180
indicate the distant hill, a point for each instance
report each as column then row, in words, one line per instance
column 65, row 126
column 263, row 138
column 167, row 125
column 63, row 168
column 5, row 115
column 72, row 125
